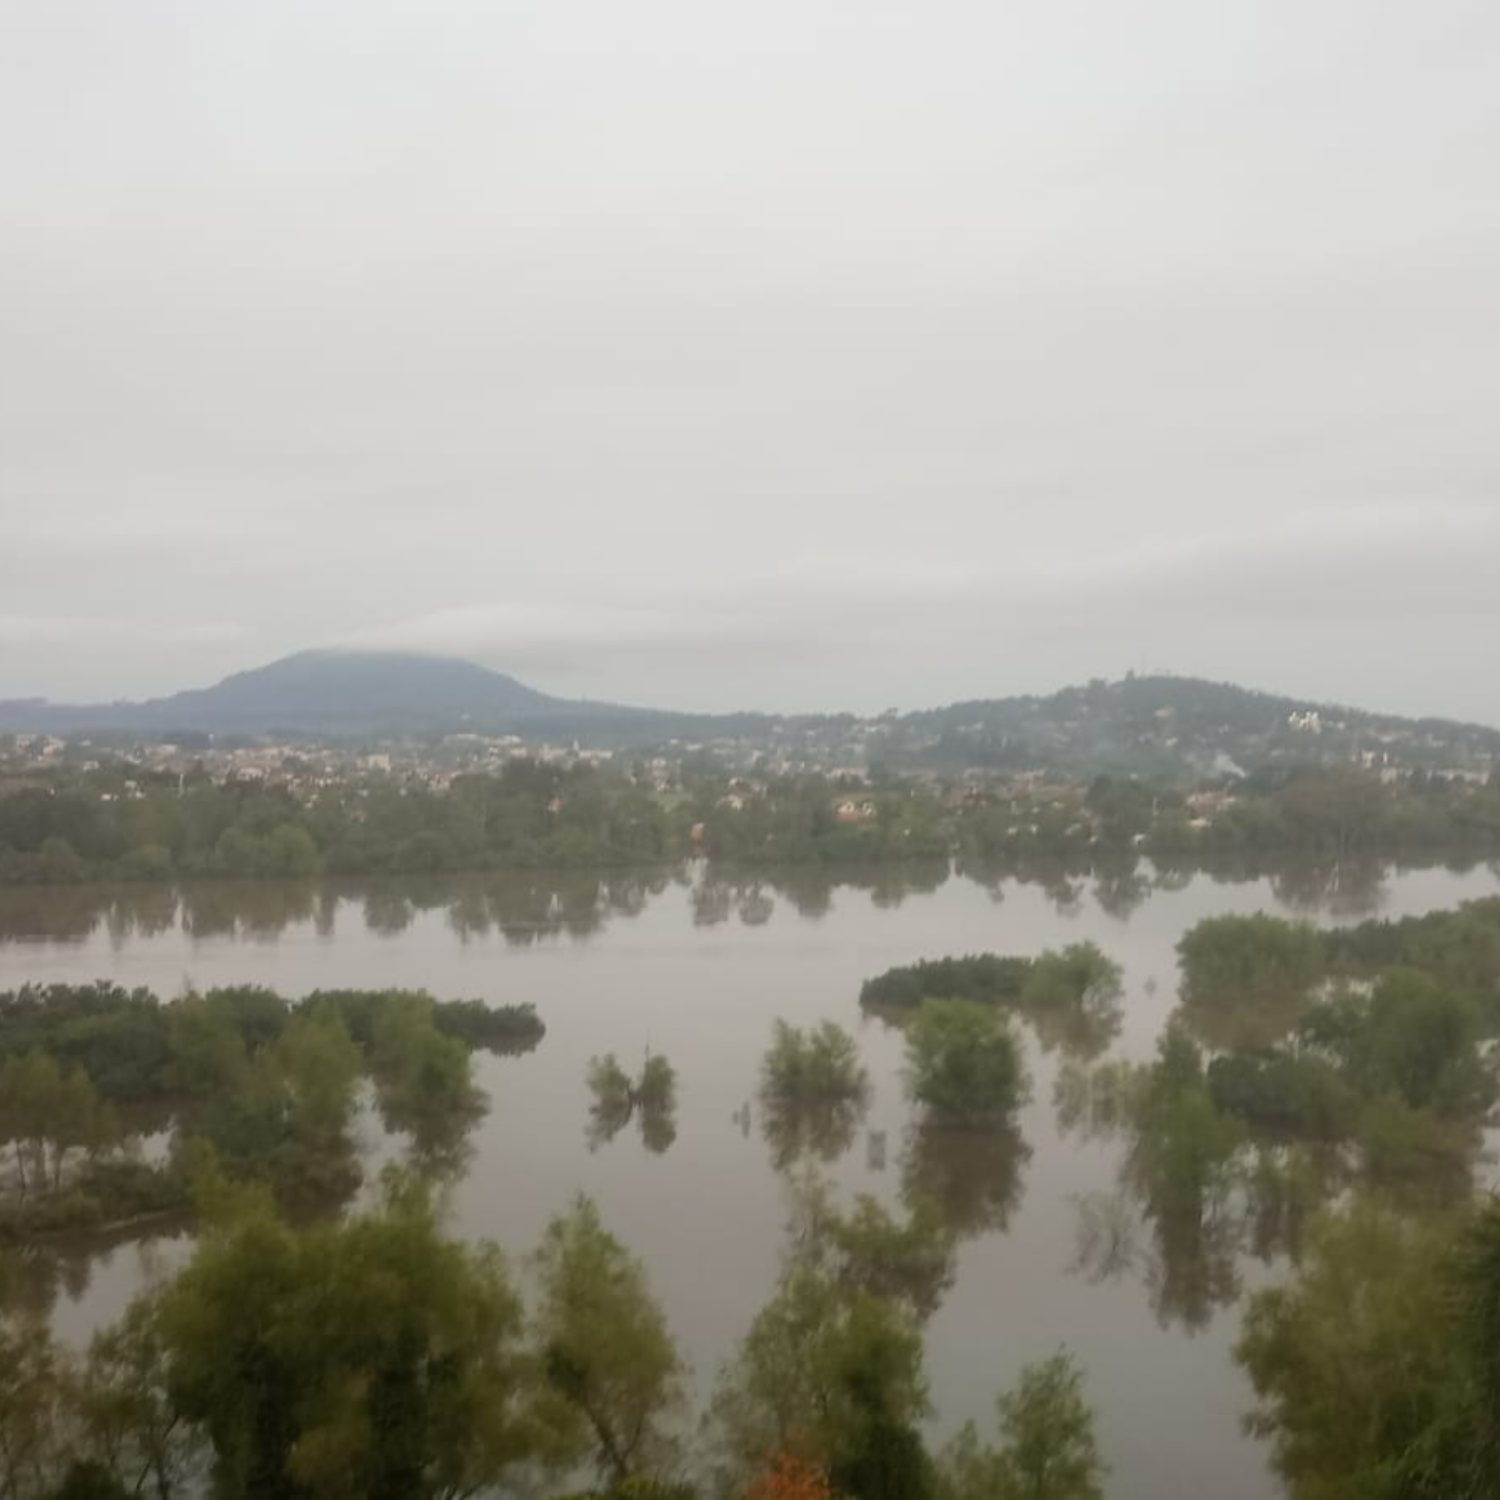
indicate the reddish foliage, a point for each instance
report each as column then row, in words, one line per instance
column 790, row 1478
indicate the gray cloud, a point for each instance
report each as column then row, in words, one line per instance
column 776, row 358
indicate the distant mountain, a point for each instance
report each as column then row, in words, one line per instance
column 359, row 690
column 337, row 693
column 1167, row 728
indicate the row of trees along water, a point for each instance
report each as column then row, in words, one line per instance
column 126, row 823
column 1316, row 1100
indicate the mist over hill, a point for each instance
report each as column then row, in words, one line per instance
column 1149, row 725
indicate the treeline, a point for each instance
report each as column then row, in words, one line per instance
column 67, row 827
column 1234, row 962
column 1320, row 813
column 93, row 826
column 269, row 1087
column 375, row 1356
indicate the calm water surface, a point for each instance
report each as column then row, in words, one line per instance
column 698, row 969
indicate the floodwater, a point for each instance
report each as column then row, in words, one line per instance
column 698, row 967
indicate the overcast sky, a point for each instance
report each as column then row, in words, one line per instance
column 798, row 354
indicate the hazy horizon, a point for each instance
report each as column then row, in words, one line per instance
column 792, row 359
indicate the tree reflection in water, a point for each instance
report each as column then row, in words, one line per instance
column 972, row 1177
column 815, row 1129
column 650, row 1100
column 525, row 906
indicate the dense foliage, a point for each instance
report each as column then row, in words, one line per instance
column 1376, row 1368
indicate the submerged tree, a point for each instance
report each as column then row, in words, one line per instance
column 813, row 1092
column 424, row 1080
column 617, row 1099
column 964, row 1063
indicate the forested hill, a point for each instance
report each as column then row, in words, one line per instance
column 1168, row 727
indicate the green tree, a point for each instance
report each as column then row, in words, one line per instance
column 322, row 1068
column 964, row 1063
column 818, row 1065
column 1358, row 1365
column 1419, row 1041
column 1247, row 977
column 209, row 1055
column 1476, row 1310
column 605, row 1346
column 1048, row 1451
column 1179, row 1164
column 47, row 1113
column 423, row 1078
column 370, row 1357
column 813, row 1092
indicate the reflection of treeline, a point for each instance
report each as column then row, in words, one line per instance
column 64, row 827
column 526, row 906
column 520, row 906
column 87, row 1073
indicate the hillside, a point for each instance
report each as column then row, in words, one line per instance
column 1171, row 727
